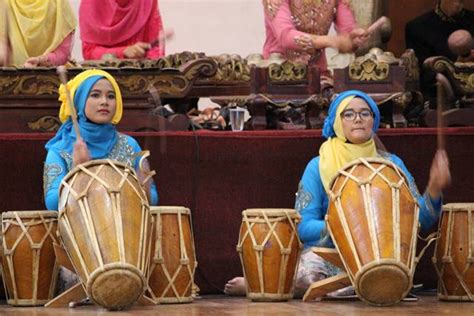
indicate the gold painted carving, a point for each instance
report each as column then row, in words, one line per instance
column 287, row 71
column 177, row 60
column 231, row 68
column 28, row 85
column 369, row 70
column 169, row 82
column 45, row 124
column 466, row 80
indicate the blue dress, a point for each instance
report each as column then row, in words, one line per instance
column 312, row 204
column 58, row 164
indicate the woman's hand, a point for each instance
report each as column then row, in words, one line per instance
column 440, row 177
column 137, row 51
column 33, row 62
column 142, row 174
column 80, row 153
column 344, row 44
column 359, row 37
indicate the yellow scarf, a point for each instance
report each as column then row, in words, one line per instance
column 336, row 152
column 38, row 27
column 73, row 84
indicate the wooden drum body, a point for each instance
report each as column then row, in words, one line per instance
column 29, row 263
column 454, row 253
column 373, row 220
column 173, row 255
column 269, row 250
column 105, row 225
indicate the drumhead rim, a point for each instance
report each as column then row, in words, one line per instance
column 169, row 210
column 463, row 206
column 368, row 159
column 29, row 214
column 96, row 162
column 270, row 211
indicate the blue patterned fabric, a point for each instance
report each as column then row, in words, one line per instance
column 58, row 164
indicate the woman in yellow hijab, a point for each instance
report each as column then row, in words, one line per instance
column 352, row 122
column 98, row 103
column 353, row 119
column 40, row 32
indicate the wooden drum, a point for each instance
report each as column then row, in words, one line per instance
column 174, row 257
column 29, row 265
column 373, row 220
column 454, row 253
column 105, row 224
column 269, row 250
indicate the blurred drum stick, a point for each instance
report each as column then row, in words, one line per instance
column 62, row 73
column 157, row 100
column 162, row 37
column 379, row 144
column 377, row 24
column 444, row 92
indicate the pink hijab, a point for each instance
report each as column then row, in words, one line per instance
column 111, row 22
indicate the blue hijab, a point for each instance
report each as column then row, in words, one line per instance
column 328, row 128
column 100, row 138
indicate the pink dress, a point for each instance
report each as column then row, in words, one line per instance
column 286, row 21
column 110, row 26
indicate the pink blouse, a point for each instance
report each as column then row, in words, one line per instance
column 281, row 32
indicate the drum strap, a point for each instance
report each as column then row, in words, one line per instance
column 429, row 240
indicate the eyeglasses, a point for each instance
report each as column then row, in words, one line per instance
column 351, row 115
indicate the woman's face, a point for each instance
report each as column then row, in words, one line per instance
column 357, row 121
column 101, row 104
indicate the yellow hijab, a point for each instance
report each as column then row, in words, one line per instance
column 73, row 84
column 336, row 152
column 38, row 27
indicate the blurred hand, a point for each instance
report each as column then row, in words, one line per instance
column 343, row 43
column 142, row 174
column 304, row 42
column 440, row 176
column 359, row 37
column 33, row 62
column 137, row 51
column 80, row 153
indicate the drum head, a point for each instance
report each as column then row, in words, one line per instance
column 383, row 285
column 117, row 287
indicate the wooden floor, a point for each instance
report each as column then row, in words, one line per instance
column 224, row 305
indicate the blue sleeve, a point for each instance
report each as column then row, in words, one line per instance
column 429, row 208
column 153, row 190
column 311, row 203
column 54, row 171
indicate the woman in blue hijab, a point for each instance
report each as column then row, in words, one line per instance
column 353, row 119
column 98, row 104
